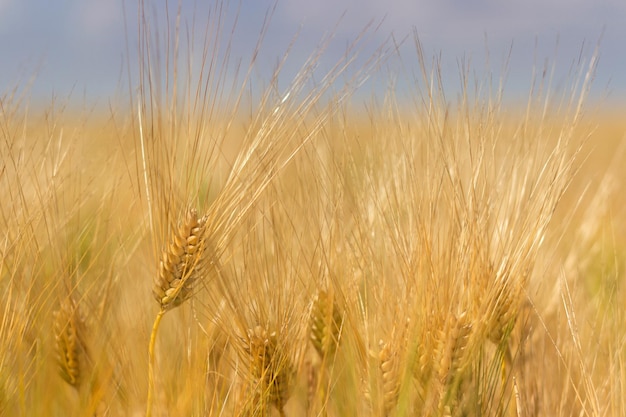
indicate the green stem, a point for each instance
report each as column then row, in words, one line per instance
column 155, row 329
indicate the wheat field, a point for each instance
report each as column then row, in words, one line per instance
column 203, row 249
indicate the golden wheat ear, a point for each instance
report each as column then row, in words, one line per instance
column 390, row 373
column 271, row 367
column 71, row 349
column 453, row 355
column 181, row 265
column 325, row 323
column 181, row 262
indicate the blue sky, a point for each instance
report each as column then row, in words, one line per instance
column 79, row 45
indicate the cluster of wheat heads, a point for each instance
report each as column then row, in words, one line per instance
column 179, row 161
column 319, row 264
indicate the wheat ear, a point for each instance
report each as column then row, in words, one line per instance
column 325, row 332
column 326, row 323
column 453, row 357
column 502, row 311
column 179, row 268
column 181, row 262
column 69, row 331
column 270, row 366
column 389, row 366
column 74, row 356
